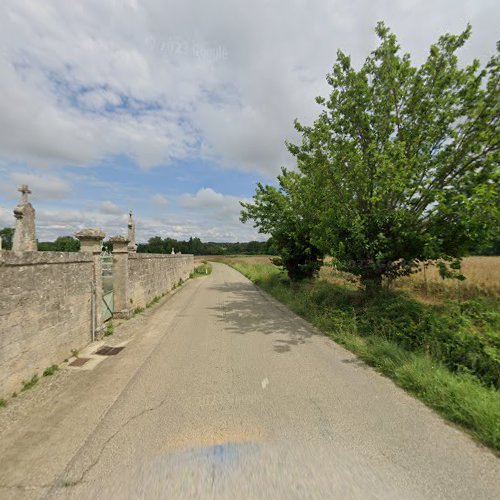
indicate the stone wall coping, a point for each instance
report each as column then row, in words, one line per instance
column 119, row 239
column 90, row 234
column 10, row 258
column 158, row 255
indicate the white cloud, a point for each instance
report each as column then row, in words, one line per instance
column 51, row 223
column 158, row 80
column 161, row 80
column 43, row 187
column 205, row 198
column 108, row 207
column 6, row 217
column 159, row 200
column 216, row 215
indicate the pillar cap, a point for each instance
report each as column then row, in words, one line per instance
column 90, row 234
column 118, row 239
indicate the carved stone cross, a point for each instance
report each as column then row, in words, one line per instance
column 25, row 191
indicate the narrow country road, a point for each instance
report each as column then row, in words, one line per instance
column 223, row 393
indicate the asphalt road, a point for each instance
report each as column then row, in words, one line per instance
column 223, row 393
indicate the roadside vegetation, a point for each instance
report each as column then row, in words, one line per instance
column 447, row 353
column 203, row 269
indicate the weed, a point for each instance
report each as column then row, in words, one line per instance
column 28, row 384
column 201, row 270
column 3, row 403
column 154, row 301
column 50, row 370
column 138, row 310
column 14, row 394
column 74, row 353
column 109, row 329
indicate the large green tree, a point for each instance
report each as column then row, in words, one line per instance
column 402, row 164
column 279, row 211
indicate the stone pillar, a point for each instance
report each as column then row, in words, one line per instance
column 91, row 241
column 132, row 247
column 120, row 276
column 25, row 234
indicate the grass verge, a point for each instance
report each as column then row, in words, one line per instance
column 447, row 355
column 109, row 329
column 202, row 270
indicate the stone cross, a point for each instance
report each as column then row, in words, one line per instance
column 25, row 191
column 25, row 233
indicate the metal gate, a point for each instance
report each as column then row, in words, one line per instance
column 107, row 285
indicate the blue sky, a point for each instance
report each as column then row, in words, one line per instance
column 176, row 109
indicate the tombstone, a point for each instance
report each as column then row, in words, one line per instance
column 132, row 247
column 25, row 234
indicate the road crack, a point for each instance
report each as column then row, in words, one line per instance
column 110, row 438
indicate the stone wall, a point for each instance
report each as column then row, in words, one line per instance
column 152, row 275
column 46, row 303
column 45, row 311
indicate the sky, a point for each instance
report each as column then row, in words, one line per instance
column 175, row 109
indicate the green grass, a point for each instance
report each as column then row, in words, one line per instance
column 109, row 329
column 447, row 355
column 153, row 302
column 50, row 370
column 203, row 270
column 138, row 310
column 28, row 384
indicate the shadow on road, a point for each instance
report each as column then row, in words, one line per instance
column 245, row 310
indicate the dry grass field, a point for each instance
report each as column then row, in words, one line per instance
column 482, row 277
column 251, row 259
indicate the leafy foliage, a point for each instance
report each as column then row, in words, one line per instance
column 279, row 212
column 61, row 244
column 402, row 164
column 7, row 234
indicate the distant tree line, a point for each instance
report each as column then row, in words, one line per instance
column 61, row 244
column 154, row 245
column 195, row 246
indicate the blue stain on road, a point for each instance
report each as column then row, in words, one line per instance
column 219, row 456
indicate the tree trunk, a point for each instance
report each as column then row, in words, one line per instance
column 372, row 284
